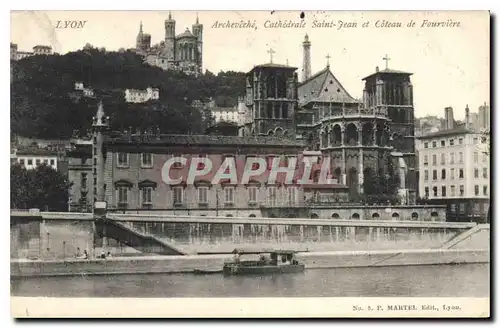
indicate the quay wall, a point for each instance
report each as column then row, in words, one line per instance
column 60, row 235
column 186, row 264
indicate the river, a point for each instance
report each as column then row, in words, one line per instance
column 466, row 280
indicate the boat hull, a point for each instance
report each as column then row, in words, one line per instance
column 236, row 270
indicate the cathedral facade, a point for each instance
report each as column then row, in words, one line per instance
column 183, row 52
column 360, row 137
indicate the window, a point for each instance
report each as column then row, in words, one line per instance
column 485, row 172
column 453, row 208
column 252, row 195
column 461, row 173
column 271, row 195
column 122, row 160
column 452, row 191
column 434, row 174
column 443, row 191
column 476, row 173
column 146, row 160
column 452, row 174
column 30, row 161
column 442, row 159
column 426, row 175
column 21, row 161
column 484, row 158
column 426, row 192
column 83, row 181
column 462, row 190
column 443, row 143
column 229, row 195
column 476, row 190
column 426, row 145
column 292, row 195
column 452, row 158
column 460, row 141
column 443, row 174
column 435, row 191
column 452, row 142
column 426, row 160
column 45, row 161
column 122, row 195
column 433, row 144
column 460, row 158
column 147, row 196
column 476, row 157
column 52, row 162
column 203, row 195
column 485, row 190
column 477, row 208
column 434, row 159
column 475, row 140
column 178, row 195
column 462, row 207
column 37, row 161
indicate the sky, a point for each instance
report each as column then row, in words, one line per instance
column 450, row 65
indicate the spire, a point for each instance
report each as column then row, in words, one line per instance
column 169, row 15
column 140, row 28
column 197, row 21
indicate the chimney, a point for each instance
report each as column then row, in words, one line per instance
column 467, row 118
column 449, row 122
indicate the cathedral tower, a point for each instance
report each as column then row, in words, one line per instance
column 170, row 37
column 306, row 65
column 198, row 33
column 138, row 40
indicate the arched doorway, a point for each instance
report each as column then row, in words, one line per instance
column 314, row 216
column 252, row 216
column 335, row 216
column 229, row 216
column 351, row 135
column 414, row 216
column 355, row 216
column 375, row 216
column 395, row 216
column 434, row 216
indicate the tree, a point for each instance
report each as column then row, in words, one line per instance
column 382, row 188
column 43, row 188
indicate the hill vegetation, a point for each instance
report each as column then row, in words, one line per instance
column 44, row 103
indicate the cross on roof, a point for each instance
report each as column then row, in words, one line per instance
column 386, row 58
column 271, row 52
column 328, row 60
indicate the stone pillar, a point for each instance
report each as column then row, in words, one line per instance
column 360, row 135
column 374, row 127
column 342, row 135
column 360, row 174
column 342, row 173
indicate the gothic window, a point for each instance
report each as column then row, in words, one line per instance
column 269, row 110
column 284, row 111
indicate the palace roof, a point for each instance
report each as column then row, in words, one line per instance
column 323, row 87
column 204, row 140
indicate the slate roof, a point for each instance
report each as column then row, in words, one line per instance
column 185, row 34
column 323, row 87
column 205, row 140
column 443, row 133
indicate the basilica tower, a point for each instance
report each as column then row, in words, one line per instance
column 198, row 33
column 170, row 38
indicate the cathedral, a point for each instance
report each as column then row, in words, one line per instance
column 183, row 52
column 359, row 137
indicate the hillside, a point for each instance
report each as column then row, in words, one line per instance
column 41, row 86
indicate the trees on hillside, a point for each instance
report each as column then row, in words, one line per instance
column 43, row 188
column 43, row 103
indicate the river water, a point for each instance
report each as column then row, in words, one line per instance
column 465, row 280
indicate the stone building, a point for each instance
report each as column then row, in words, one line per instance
column 271, row 101
column 183, row 52
column 360, row 137
column 141, row 96
column 15, row 54
column 454, row 172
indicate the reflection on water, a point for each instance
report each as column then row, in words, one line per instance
column 470, row 280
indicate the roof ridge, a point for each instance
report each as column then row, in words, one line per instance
column 314, row 76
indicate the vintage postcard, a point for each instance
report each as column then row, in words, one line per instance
column 282, row 164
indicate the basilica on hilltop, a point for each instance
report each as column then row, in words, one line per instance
column 182, row 52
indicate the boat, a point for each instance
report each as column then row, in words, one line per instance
column 278, row 262
column 203, row 272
